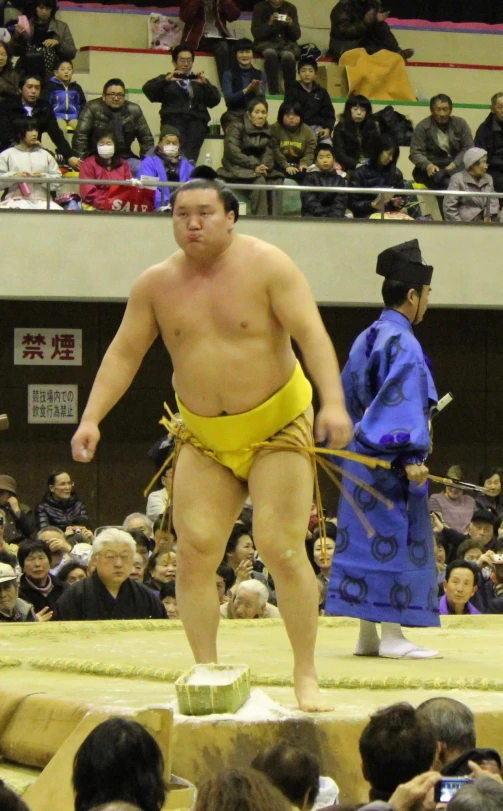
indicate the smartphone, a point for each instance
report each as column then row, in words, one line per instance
column 448, row 787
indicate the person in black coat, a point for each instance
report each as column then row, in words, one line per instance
column 489, row 136
column 315, row 101
column 60, row 506
column 331, row 204
column 362, row 24
column 354, row 133
column 379, row 171
column 37, row 586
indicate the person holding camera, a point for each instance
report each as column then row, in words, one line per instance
column 362, row 24
column 276, row 30
column 185, row 97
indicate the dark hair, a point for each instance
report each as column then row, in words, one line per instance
column 466, row 545
column 26, row 77
column 8, row 51
column 442, row 98
column 24, row 125
column 253, row 103
column 356, row 101
column 225, row 195
column 307, row 61
column 54, row 475
column 111, row 83
column 238, row 531
column 288, row 107
column 10, row 559
column 395, row 746
column 394, row 293
column 140, row 538
column 495, row 98
column 243, row 789
column 168, row 590
column 52, row 4
column 497, row 546
column 131, row 769
column 462, row 564
column 228, row 574
column 440, row 541
column 484, row 794
column 205, row 172
column 159, row 522
column 331, row 532
column 62, row 61
column 68, row 568
column 243, row 44
column 452, row 722
column 175, row 53
column 324, row 148
column 488, row 473
column 9, row 801
column 28, row 547
column 152, row 561
column 381, row 143
column 294, row 770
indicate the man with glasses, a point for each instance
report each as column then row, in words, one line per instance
column 109, row 593
column 184, row 97
column 112, row 113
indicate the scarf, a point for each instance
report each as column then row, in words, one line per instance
column 45, row 590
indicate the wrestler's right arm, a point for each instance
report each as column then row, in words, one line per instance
column 122, row 360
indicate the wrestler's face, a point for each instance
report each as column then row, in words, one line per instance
column 421, row 303
column 201, row 226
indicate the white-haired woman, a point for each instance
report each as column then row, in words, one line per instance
column 249, row 602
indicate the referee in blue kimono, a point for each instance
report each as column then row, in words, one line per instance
column 389, row 578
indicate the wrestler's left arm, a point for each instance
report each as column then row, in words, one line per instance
column 295, row 308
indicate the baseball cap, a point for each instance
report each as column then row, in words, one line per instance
column 7, row 573
column 484, row 515
column 8, row 483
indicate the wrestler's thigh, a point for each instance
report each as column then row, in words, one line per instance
column 207, row 499
column 281, row 490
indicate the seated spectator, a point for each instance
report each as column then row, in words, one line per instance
column 9, row 78
column 139, row 567
column 12, row 607
column 112, row 113
column 241, row 82
column 58, row 544
column 481, row 528
column 37, row 585
column 473, row 178
column 491, row 480
column 205, row 27
column 324, row 175
column 143, row 545
column 240, row 556
column 167, row 596
column 293, row 770
column 492, row 588
column 27, row 159
column 157, row 499
column 354, row 133
column 489, row 136
column 161, row 569
column 11, row 549
column 362, row 24
column 484, row 794
column 316, row 104
column 454, row 727
column 82, row 553
column 243, row 789
column 19, row 519
column 470, row 550
column 72, row 572
column 460, row 585
column 185, row 97
column 102, row 164
column 164, row 534
column 293, row 142
column 248, row 155
column 225, row 580
column 249, row 602
column 66, row 96
column 131, row 770
column 275, row 29
column 438, row 144
column 138, row 521
column 110, row 593
column 167, row 163
column 379, row 171
column 60, row 506
column 455, row 506
column 49, row 40
column 322, row 565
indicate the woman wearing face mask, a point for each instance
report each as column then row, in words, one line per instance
column 102, row 164
column 166, row 162
column 353, row 134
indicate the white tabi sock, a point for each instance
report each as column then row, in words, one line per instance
column 395, row 646
column 368, row 641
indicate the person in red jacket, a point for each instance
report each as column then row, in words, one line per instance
column 205, row 27
column 102, row 164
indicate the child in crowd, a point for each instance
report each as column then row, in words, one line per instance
column 324, row 174
column 66, row 96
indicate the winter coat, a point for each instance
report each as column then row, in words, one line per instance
column 94, row 169
column 96, row 115
column 315, row 204
column 348, row 148
column 38, row 600
column 292, row 148
column 347, row 26
column 489, row 136
column 23, row 612
column 11, row 109
column 245, row 148
column 193, row 14
column 61, row 513
column 468, row 209
column 176, row 101
column 153, row 165
column 279, row 35
column 233, row 85
column 66, row 102
column 316, row 104
column 57, row 29
column 370, row 177
column 9, row 83
column 19, row 159
column 425, row 149
column 18, row 528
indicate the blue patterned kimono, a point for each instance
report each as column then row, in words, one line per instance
column 389, row 577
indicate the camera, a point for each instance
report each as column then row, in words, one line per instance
column 498, row 560
column 282, row 18
column 179, row 75
column 448, row 787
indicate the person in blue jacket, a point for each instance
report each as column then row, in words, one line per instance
column 166, row 162
column 65, row 96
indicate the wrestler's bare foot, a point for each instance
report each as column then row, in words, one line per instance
column 308, row 693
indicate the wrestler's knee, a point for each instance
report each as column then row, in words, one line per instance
column 282, row 555
column 199, row 543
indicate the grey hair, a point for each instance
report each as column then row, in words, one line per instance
column 113, row 535
column 485, row 794
column 256, row 587
column 148, row 523
column 452, row 721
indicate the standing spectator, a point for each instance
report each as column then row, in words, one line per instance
column 102, row 164
column 460, row 585
column 438, row 144
column 275, row 29
column 12, row 607
column 379, row 171
column 354, row 133
column 317, row 107
column 293, row 142
column 19, row 519
column 37, row 585
column 489, row 136
column 206, row 30
column 60, row 507
column 241, row 81
column 455, row 506
column 9, row 78
column 185, row 97
column 50, row 40
column 491, row 480
column 324, row 175
column 25, row 160
column 167, row 163
column 473, row 178
column 66, row 96
column 113, row 113
column 362, row 24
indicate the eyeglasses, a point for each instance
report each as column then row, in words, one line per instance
column 111, row 558
column 116, row 95
column 183, row 61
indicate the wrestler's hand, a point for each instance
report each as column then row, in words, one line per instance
column 333, row 425
column 85, row 440
column 417, row 473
